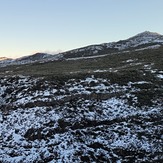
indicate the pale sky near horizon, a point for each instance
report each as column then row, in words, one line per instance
column 30, row 26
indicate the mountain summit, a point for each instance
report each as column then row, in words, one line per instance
column 148, row 33
column 148, row 36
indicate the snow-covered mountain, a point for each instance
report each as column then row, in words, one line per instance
column 146, row 38
column 142, row 41
column 38, row 57
column 4, row 61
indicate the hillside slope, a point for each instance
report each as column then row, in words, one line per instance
column 145, row 40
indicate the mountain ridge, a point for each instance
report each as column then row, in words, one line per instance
column 145, row 40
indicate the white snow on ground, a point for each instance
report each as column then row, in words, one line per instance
column 160, row 76
column 21, row 120
column 100, row 70
column 61, row 123
column 129, row 60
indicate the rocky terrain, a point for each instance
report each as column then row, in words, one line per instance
column 85, row 108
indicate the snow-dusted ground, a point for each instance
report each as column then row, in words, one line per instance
column 78, row 120
column 160, row 76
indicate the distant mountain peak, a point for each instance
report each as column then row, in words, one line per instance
column 4, row 58
column 147, row 34
column 35, row 57
column 145, row 37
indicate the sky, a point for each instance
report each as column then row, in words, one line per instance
column 53, row 26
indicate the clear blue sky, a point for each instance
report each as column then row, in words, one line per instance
column 29, row 26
